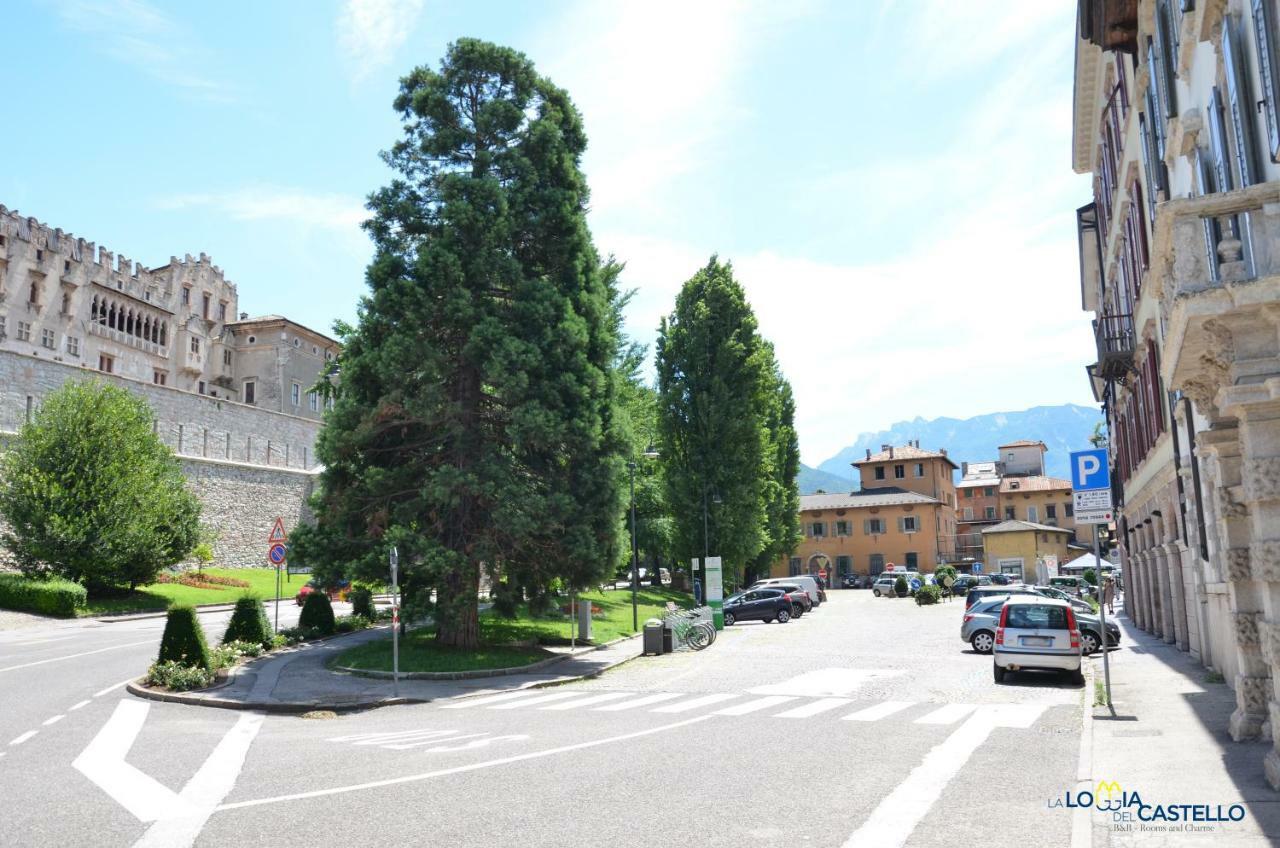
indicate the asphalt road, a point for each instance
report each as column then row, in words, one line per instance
column 866, row 722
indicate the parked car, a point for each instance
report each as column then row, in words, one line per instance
column 338, row 592
column 767, row 604
column 980, row 592
column 854, row 581
column 1037, row 633
column 1003, row 580
column 800, row 600
column 1071, row 585
column 1077, row 604
column 883, row 587
column 981, row 620
column 804, row 581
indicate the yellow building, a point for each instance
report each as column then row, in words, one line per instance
column 904, row 515
column 1014, row 547
column 1039, row 500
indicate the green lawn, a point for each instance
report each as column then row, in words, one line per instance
column 159, row 596
column 419, row 652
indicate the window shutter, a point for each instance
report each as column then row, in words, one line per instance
column 1239, row 101
column 866, row 526
column 1166, row 60
column 902, row 524
column 1264, row 30
column 1218, row 144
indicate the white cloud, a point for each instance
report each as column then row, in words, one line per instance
column 371, row 31
column 138, row 34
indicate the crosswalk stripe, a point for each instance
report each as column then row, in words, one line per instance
column 704, row 701
column 640, row 702
column 879, row 711
column 812, row 709
column 946, row 715
column 467, row 703
column 585, row 702
column 528, row 702
column 756, row 705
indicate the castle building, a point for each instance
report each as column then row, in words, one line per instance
column 232, row 395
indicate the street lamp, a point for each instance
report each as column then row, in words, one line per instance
column 650, row 452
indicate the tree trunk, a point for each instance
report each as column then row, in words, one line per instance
column 458, row 609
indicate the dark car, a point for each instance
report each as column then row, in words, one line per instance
column 800, row 601
column 854, row 581
column 1002, row 580
column 767, row 604
column 978, row 593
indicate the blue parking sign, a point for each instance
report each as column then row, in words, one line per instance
column 1089, row 470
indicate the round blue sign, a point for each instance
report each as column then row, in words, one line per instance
column 276, row 553
column 915, row 583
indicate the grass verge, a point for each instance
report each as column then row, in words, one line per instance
column 419, row 651
column 161, row 596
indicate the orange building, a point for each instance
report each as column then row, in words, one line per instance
column 1039, row 500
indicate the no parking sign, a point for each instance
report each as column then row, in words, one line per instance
column 277, row 553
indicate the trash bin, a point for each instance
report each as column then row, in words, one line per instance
column 668, row 638
column 653, row 636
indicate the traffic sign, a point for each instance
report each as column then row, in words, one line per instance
column 976, row 569
column 277, row 531
column 1089, row 470
column 277, row 553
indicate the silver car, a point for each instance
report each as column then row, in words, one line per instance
column 982, row 619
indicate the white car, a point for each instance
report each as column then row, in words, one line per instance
column 804, row 581
column 1039, row 633
column 883, row 587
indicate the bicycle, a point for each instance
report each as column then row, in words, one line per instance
column 692, row 632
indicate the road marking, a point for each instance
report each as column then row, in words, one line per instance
column 24, row 737
column 103, row 763
column 488, row 699
column 394, row 736
column 54, row 720
column 826, row 681
column 704, row 701
column 812, row 709
column 114, row 687
column 753, row 706
column 449, row 747
column 949, row 714
column 1014, row 715
column 76, row 656
column 893, row 820
column 640, row 702
column 879, row 711
column 414, row 778
column 202, row 794
column 42, row 641
column 541, row 699
column 79, row 705
column 585, row 702
column 436, row 738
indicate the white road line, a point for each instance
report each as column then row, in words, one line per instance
column 24, row 737
column 79, row 705
column 640, row 702
column 586, row 702
column 704, row 701
column 76, row 656
column 949, row 714
column 879, row 711
column 42, row 641
column 404, row 746
column 393, row 736
column 754, row 706
column 54, row 720
column 1013, row 715
column 103, row 763
column 468, row 703
column 114, row 687
column 541, row 699
column 892, row 821
column 202, row 794
column 414, row 778
column 819, row 706
column 826, row 681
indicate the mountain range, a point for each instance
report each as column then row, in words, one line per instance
column 1062, row 428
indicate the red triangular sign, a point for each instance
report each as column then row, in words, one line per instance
column 277, row 532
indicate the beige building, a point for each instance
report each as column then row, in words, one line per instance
column 1017, row 547
column 1177, row 118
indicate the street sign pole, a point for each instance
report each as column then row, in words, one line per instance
column 277, row 598
column 395, row 623
column 1102, row 614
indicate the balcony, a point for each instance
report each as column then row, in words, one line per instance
column 1110, row 24
column 1114, row 337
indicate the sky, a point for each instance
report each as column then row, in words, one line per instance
column 891, row 179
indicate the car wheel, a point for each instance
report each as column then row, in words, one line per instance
column 875, row 592
column 1088, row 642
column 797, row 612
column 999, row 673
column 728, row 619
column 983, row 641
column 783, row 616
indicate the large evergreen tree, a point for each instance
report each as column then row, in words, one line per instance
column 475, row 423
column 711, row 376
column 781, row 493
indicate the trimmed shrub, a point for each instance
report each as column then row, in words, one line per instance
column 1090, row 577
column 248, row 623
column 52, row 597
column 317, row 614
column 927, row 595
column 178, row 677
column 900, row 587
column 183, row 640
column 362, row 602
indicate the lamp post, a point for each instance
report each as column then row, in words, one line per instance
column 649, row 453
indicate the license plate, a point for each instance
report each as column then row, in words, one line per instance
column 1036, row 641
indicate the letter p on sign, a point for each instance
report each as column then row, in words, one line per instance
column 1089, row 470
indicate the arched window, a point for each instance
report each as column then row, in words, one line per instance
column 66, row 303
column 164, row 332
column 146, row 328
column 35, row 293
column 155, row 332
column 111, row 317
column 93, row 309
column 128, row 323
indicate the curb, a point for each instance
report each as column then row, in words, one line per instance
column 139, row 616
column 135, row 688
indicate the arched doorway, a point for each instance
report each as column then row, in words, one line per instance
column 820, row 565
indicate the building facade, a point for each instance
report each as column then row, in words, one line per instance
column 1020, row 548
column 230, row 394
column 1177, row 119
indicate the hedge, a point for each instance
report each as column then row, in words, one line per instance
column 317, row 613
column 248, row 623
column 52, row 597
column 183, row 640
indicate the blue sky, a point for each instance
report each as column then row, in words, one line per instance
column 891, row 180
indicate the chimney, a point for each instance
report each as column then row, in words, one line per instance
column 884, row 447
column 868, row 453
column 964, row 469
column 244, row 316
column 891, row 451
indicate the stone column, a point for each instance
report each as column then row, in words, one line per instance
column 1146, row 597
column 1173, row 560
column 1161, row 568
column 1222, row 452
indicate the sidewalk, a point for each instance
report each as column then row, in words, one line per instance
column 298, row 680
column 1166, row 739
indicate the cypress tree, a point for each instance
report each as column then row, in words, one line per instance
column 474, row 425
